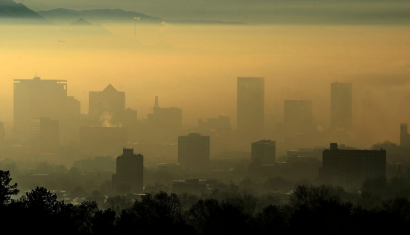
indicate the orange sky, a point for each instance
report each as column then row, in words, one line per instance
column 195, row 67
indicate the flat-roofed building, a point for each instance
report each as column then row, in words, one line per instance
column 194, row 150
column 352, row 167
column 129, row 172
column 263, row 152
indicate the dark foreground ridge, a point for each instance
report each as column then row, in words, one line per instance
column 311, row 209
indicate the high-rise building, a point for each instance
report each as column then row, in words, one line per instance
column 298, row 117
column 129, row 172
column 404, row 136
column 194, row 150
column 36, row 98
column 250, row 106
column 352, row 167
column 102, row 141
column 107, row 106
column 165, row 118
column 341, row 106
column 263, row 152
column 71, row 127
column 44, row 134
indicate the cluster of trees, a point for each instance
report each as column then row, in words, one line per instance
column 311, row 209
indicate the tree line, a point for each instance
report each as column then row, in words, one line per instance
column 311, row 209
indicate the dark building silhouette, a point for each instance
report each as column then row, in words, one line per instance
column 44, row 134
column 352, row 167
column 263, row 152
column 341, row 106
column 165, row 118
column 316, row 152
column 72, row 125
column 404, row 136
column 298, row 117
column 221, row 123
column 129, row 172
column 35, row 98
column 250, row 107
column 194, row 150
column 102, row 141
column 107, row 106
column 190, row 186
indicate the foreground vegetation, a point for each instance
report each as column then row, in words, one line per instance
column 310, row 209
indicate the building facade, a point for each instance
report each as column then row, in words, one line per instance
column 352, row 167
column 165, row 118
column 36, row 98
column 250, row 107
column 341, row 114
column 129, row 172
column 404, row 136
column 263, row 152
column 194, row 150
column 107, row 106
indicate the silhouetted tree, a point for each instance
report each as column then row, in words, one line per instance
column 155, row 214
column 272, row 221
column 6, row 189
column 211, row 217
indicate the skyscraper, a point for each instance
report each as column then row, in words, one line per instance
column 36, row 98
column 44, row 134
column 194, row 150
column 404, row 136
column 129, row 172
column 107, row 106
column 250, row 106
column 263, row 152
column 165, row 118
column 298, row 117
column 341, row 106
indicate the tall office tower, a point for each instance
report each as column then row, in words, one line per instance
column 298, row 117
column 263, row 152
column 2, row 131
column 250, row 106
column 44, row 134
column 352, row 167
column 130, row 118
column 341, row 106
column 35, row 98
column 165, row 118
column 404, row 136
column 129, row 172
column 107, row 106
column 194, row 150
column 71, row 127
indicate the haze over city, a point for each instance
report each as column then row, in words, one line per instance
column 249, row 103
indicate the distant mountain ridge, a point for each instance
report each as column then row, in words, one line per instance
column 63, row 15
column 19, row 13
column 97, row 15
